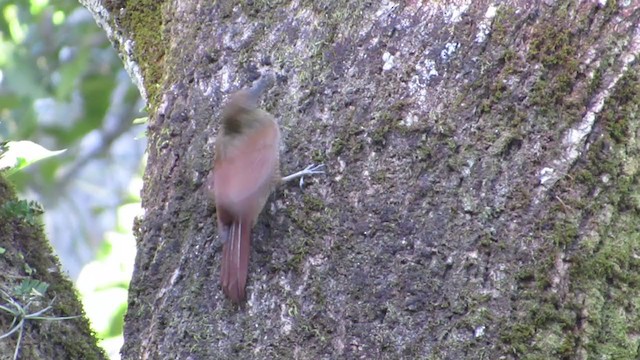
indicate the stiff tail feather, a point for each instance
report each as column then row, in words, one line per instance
column 235, row 260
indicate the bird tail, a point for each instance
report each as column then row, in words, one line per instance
column 235, row 260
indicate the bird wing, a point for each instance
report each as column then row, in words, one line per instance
column 245, row 173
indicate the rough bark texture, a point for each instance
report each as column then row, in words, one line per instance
column 26, row 258
column 482, row 194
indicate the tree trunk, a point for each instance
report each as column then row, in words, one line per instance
column 34, row 291
column 481, row 195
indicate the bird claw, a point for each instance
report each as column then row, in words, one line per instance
column 310, row 170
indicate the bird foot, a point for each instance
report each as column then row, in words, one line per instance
column 309, row 170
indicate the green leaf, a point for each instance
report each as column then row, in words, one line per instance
column 9, row 101
column 28, row 269
column 27, row 210
column 117, row 321
column 93, row 89
column 70, row 73
column 20, row 154
column 32, row 287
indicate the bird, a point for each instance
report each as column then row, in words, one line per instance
column 245, row 172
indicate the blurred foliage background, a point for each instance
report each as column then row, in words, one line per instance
column 62, row 86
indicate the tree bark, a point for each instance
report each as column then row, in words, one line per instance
column 481, row 198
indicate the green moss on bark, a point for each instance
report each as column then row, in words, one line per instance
column 145, row 24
